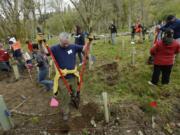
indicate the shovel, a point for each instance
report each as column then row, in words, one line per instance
column 75, row 99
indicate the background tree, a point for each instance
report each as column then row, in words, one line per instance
column 21, row 17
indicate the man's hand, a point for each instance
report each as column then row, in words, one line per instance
column 87, row 45
column 90, row 37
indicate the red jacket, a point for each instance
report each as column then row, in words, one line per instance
column 138, row 28
column 30, row 47
column 4, row 56
column 165, row 54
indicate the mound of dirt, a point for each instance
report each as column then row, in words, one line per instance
column 109, row 73
column 89, row 110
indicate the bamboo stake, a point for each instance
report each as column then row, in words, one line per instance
column 133, row 56
column 16, row 72
column 106, row 111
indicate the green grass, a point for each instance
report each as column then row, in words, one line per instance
column 132, row 83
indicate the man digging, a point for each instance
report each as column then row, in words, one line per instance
column 64, row 54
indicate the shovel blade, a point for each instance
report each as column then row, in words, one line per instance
column 75, row 101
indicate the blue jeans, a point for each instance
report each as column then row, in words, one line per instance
column 42, row 79
column 113, row 36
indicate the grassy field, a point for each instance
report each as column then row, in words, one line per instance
column 131, row 84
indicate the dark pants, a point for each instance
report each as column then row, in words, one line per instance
column 4, row 66
column 80, row 56
column 144, row 36
column 64, row 94
column 166, row 71
column 132, row 36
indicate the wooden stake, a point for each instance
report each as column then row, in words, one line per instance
column 123, row 47
column 16, row 72
column 104, row 39
column 153, row 122
column 90, row 59
column 106, row 111
column 37, row 69
column 5, row 118
column 133, row 56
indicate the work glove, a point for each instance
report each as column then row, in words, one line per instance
column 90, row 37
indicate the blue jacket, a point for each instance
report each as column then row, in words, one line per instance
column 17, row 53
column 66, row 57
column 175, row 26
column 79, row 39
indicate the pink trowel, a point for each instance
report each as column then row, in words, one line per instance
column 54, row 102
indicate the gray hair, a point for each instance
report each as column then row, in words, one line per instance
column 64, row 36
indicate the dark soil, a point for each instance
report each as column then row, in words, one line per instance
column 37, row 103
column 109, row 73
column 127, row 118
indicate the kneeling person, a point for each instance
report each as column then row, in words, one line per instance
column 43, row 66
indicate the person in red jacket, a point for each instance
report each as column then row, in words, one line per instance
column 138, row 30
column 4, row 59
column 164, row 55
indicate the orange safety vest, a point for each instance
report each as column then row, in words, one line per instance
column 16, row 46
